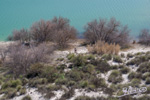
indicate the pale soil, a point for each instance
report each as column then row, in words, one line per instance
column 135, row 49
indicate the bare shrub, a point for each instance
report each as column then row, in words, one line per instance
column 42, row 31
column 108, row 31
column 20, row 35
column 144, row 37
column 101, row 47
column 57, row 30
column 63, row 32
column 21, row 57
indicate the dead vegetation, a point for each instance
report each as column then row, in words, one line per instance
column 101, row 47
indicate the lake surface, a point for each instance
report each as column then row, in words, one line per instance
column 17, row 14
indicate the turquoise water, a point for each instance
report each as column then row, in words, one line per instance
column 16, row 14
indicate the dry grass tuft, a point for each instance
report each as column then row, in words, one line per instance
column 101, row 47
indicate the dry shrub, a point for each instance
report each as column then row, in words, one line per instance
column 144, row 37
column 22, row 57
column 20, row 35
column 110, row 31
column 101, row 47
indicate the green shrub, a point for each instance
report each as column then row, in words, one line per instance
column 146, row 75
column 35, row 70
column 22, row 91
column 84, row 84
column 79, row 60
column 37, row 81
column 68, row 94
column 18, row 87
column 62, row 67
column 52, row 87
column 121, row 66
column 15, row 83
column 148, row 90
column 1, row 82
column 114, row 67
column 25, row 81
column 83, row 98
column 135, row 82
column 70, row 56
column 91, row 87
column 11, row 93
column 129, row 55
column 61, row 81
column 2, row 78
column 138, row 54
column 107, row 57
column 49, row 95
column 98, row 82
column 75, row 75
column 60, row 59
column 71, row 83
column 90, row 98
column 122, row 55
column 138, row 60
column 11, row 83
column 147, row 80
column 131, row 62
column 144, row 67
column 101, row 65
column 117, row 59
column 125, row 70
column 115, row 77
column 90, row 57
column 51, row 73
column 27, row 98
column 145, row 97
column 89, row 68
column 133, row 75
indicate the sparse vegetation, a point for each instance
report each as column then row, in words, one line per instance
column 133, row 75
column 129, row 55
column 115, row 77
column 125, row 70
column 26, row 98
column 100, row 70
column 117, row 59
column 147, row 80
column 144, row 67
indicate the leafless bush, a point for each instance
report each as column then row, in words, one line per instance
column 101, row 47
column 57, row 30
column 63, row 32
column 108, row 31
column 21, row 57
column 20, row 35
column 42, row 31
column 144, row 37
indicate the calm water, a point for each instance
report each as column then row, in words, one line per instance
column 16, row 14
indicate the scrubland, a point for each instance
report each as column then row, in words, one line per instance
column 49, row 62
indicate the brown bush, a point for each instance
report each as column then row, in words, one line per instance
column 63, row 32
column 101, row 47
column 42, row 31
column 108, row 31
column 144, row 37
column 21, row 57
column 20, row 35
